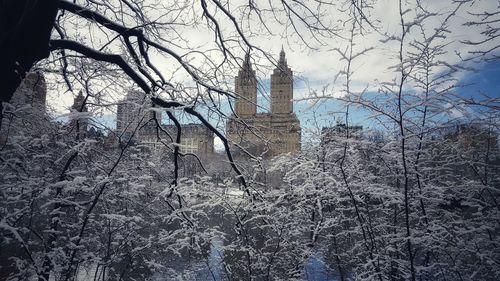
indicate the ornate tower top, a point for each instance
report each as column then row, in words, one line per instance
column 79, row 122
column 282, row 87
column 282, row 60
column 78, row 103
column 247, row 65
column 246, row 73
column 282, row 68
column 246, row 89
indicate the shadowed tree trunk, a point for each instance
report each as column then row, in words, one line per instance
column 25, row 27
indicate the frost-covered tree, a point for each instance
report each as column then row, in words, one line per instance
column 411, row 205
column 419, row 203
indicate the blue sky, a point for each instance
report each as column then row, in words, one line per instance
column 480, row 84
column 486, row 80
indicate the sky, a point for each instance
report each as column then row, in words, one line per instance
column 318, row 65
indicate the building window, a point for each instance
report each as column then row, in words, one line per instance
column 189, row 145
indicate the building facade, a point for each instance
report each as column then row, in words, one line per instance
column 341, row 130
column 196, row 139
column 135, row 123
column 267, row 134
column 26, row 111
column 32, row 92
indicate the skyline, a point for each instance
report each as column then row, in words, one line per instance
column 478, row 81
column 320, row 65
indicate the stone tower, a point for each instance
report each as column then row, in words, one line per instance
column 135, row 112
column 36, row 82
column 128, row 112
column 246, row 89
column 26, row 112
column 80, row 120
column 265, row 133
column 79, row 103
column 282, row 87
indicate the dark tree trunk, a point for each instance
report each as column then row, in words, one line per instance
column 25, row 27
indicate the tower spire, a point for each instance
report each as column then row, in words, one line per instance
column 282, row 87
column 247, row 65
column 282, row 59
column 78, row 102
column 246, row 88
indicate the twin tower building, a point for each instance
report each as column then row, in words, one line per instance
column 261, row 134
column 271, row 133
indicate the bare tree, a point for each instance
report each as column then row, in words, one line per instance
column 421, row 203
